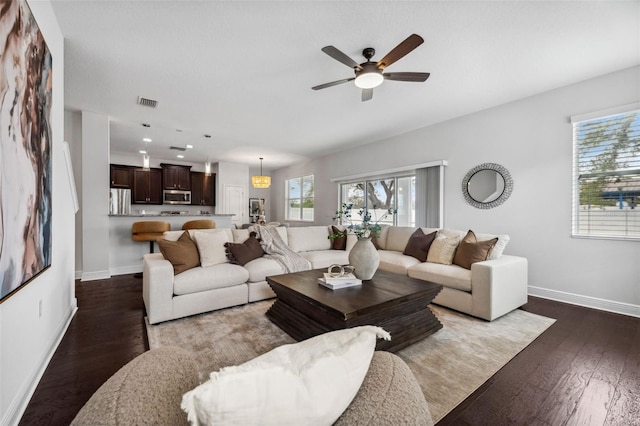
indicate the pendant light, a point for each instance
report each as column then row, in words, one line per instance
column 261, row 181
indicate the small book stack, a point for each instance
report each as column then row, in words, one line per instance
column 343, row 281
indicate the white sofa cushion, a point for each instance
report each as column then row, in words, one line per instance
column 201, row 279
column 211, row 247
column 398, row 237
column 451, row 276
column 261, row 268
column 307, row 383
column 325, row 258
column 308, row 238
column 396, row 262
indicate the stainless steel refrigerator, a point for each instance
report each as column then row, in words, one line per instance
column 120, row 201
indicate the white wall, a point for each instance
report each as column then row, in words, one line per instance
column 532, row 138
column 95, row 196
column 28, row 340
column 73, row 135
column 326, row 193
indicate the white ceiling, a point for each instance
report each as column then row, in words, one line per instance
column 242, row 71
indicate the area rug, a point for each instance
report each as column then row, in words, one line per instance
column 449, row 365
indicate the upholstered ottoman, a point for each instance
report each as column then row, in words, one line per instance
column 148, row 391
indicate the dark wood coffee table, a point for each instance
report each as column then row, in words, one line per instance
column 397, row 303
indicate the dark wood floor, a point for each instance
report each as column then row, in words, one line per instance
column 584, row 370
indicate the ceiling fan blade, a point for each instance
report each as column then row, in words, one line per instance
column 398, row 52
column 333, row 83
column 367, row 94
column 406, row 76
column 341, row 57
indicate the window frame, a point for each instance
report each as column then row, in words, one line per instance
column 374, row 178
column 579, row 177
column 301, row 199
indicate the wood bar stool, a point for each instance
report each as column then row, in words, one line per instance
column 149, row 231
column 199, row 224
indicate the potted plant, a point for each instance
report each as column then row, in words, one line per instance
column 364, row 255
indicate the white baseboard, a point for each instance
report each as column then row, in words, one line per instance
column 586, row 301
column 19, row 404
column 124, row 270
column 97, row 275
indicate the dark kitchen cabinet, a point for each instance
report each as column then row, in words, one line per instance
column 176, row 177
column 203, row 189
column 121, row 176
column 147, row 186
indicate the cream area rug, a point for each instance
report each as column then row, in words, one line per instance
column 449, row 365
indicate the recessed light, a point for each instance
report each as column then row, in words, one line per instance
column 142, row 151
column 146, row 125
column 189, row 146
column 180, row 156
column 146, row 139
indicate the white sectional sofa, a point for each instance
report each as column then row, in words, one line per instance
column 488, row 290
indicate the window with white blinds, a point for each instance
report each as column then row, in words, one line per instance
column 606, row 189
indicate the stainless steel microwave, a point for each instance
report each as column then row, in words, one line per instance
column 174, row 196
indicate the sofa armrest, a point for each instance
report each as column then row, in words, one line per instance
column 498, row 286
column 157, row 287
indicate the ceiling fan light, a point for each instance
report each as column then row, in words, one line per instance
column 369, row 80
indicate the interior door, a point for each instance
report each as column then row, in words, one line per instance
column 235, row 203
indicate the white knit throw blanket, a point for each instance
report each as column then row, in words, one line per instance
column 276, row 249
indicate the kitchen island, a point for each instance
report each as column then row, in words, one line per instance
column 125, row 255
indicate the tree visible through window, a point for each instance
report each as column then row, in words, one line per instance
column 299, row 198
column 379, row 195
column 607, row 176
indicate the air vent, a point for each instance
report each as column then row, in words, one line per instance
column 178, row 148
column 147, row 102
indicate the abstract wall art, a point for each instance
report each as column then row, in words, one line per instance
column 25, row 148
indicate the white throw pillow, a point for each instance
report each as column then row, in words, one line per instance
column 443, row 249
column 211, row 247
column 307, row 383
column 308, row 238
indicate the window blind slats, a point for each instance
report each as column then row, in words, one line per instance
column 606, row 176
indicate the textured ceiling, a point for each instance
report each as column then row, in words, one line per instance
column 242, row 71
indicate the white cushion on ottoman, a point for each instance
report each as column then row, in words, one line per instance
column 307, row 383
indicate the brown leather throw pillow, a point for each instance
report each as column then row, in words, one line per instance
column 339, row 243
column 470, row 250
column 419, row 244
column 243, row 253
column 183, row 253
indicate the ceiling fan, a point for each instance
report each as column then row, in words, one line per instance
column 370, row 74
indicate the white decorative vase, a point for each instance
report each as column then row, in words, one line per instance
column 364, row 257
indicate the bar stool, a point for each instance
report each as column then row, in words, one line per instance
column 149, row 231
column 199, row 224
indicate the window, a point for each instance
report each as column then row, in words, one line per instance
column 607, row 176
column 299, row 198
column 378, row 195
